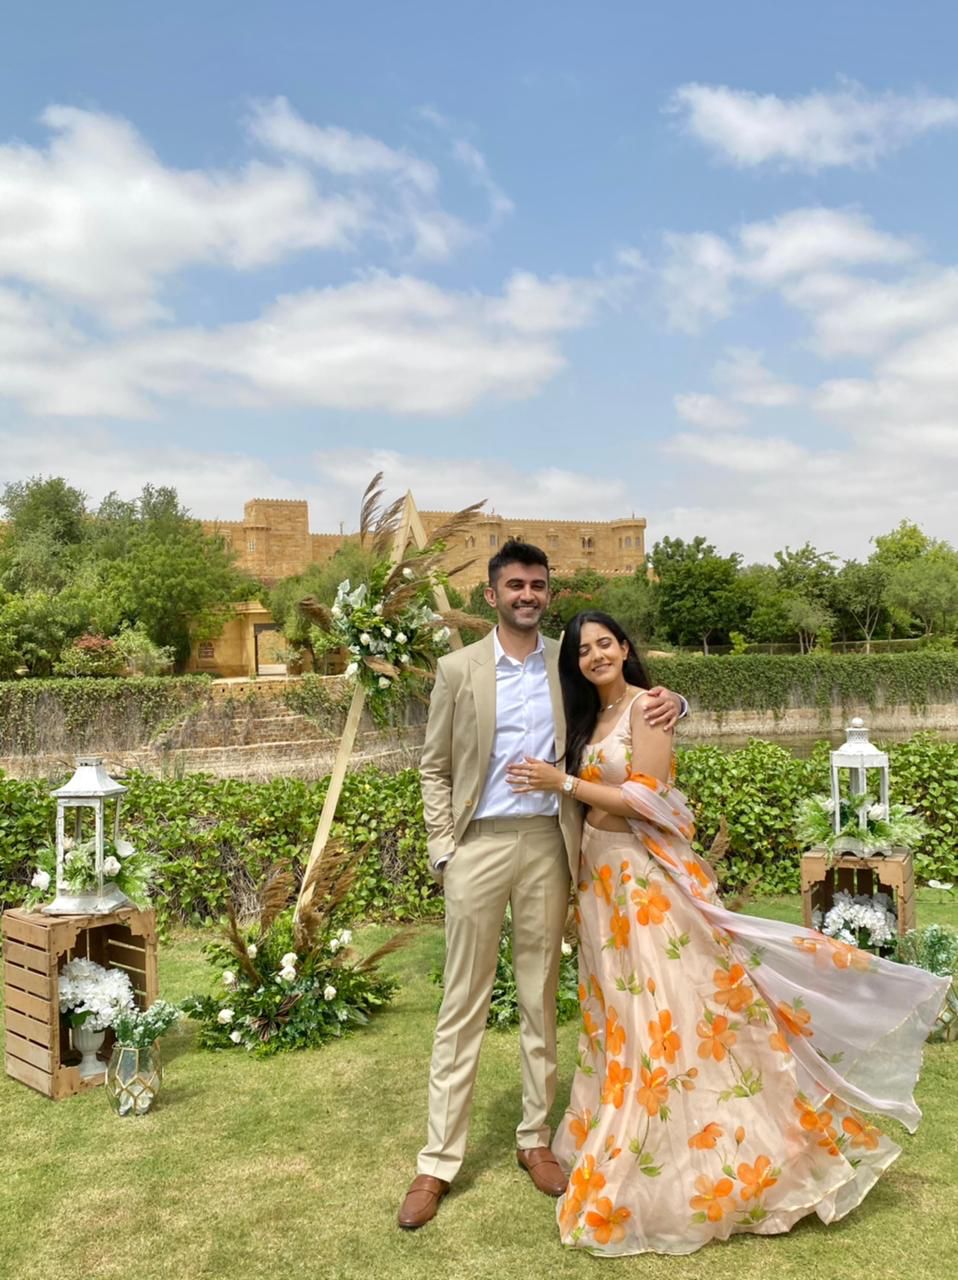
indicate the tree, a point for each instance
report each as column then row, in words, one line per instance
column 927, row 588
column 860, row 592
column 807, row 572
column 47, row 526
column 178, row 581
column 697, row 591
column 807, row 618
column 906, row 542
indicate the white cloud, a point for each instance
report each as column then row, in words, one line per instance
column 754, row 455
column 704, row 273
column 707, row 411
column 396, row 343
column 99, row 221
column 747, row 380
column 848, row 126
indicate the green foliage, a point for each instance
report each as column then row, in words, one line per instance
column 698, row 596
column 90, row 655
column 286, row 992
column 770, row 682
column 927, row 588
column 141, row 1028
column 924, row 775
column 933, row 947
column 70, row 715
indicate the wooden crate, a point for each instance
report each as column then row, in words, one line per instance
column 35, row 949
column 893, row 874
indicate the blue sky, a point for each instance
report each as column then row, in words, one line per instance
column 695, row 261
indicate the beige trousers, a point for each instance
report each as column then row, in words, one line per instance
column 520, row 861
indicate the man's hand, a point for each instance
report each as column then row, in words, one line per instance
column 661, row 707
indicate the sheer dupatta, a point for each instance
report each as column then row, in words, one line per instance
column 855, row 1023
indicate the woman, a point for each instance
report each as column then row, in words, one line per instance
column 726, row 1061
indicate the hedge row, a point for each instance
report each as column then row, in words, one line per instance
column 775, row 682
column 40, row 716
column 214, row 836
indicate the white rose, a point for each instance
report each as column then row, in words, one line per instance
column 567, row 948
column 289, row 960
column 329, row 993
column 334, row 945
column 407, row 573
column 336, row 611
column 876, row 812
column 236, row 1037
column 224, row 1016
column 287, row 974
column 378, row 607
column 111, row 866
column 352, row 668
column 384, row 682
column 229, row 978
column 404, row 659
column 365, row 639
column 251, row 950
column 387, row 632
column 401, row 637
column 41, row 881
column 346, row 937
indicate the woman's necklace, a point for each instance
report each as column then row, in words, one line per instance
column 613, row 705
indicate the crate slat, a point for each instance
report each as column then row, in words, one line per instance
column 35, row 949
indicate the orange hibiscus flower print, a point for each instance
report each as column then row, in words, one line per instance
column 820, row 1122
column 795, row 1018
column 698, row 872
column 603, row 884
column 586, row 1181
column 652, row 904
column 713, row 1198
column 590, row 1029
column 617, row 1078
column 595, row 986
column 579, row 1127
column 654, row 1092
column 731, row 989
column 606, row 1223
column 779, row 1043
column 845, row 956
column 665, row 1042
column 614, row 1033
column 657, row 851
column 756, row 1178
column 715, row 1037
column 620, row 929
column 706, row 1138
column 591, row 771
column 861, row 1134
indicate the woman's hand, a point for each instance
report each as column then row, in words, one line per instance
column 534, row 775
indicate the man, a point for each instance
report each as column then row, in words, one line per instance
column 494, row 703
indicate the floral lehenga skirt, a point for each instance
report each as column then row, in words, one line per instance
column 728, row 1066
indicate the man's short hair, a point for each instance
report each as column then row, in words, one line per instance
column 515, row 552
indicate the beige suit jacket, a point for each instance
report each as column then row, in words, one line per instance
column 458, row 746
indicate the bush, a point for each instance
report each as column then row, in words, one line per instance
column 90, row 655
column 214, row 838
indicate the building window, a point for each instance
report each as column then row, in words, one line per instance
column 206, row 652
column 553, row 539
column 628, row 542
column 250, row 544
column 470, row 541
column 628, row 568
column 493, row 540
column 587, row 544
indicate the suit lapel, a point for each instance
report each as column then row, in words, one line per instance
column 555, row 691
column 483, row 680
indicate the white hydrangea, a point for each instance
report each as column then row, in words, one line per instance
column 86, row 987
column 849, row 918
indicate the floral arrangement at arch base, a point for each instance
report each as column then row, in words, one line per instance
column 389, row 625
column 291, row 983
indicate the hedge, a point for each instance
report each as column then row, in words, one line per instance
column 215, row 836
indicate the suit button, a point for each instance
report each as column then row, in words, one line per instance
column 468, row 804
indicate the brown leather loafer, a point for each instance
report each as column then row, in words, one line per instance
column 422, row 1201
column 543, row 1168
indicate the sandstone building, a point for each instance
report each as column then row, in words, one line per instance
column 273, row 541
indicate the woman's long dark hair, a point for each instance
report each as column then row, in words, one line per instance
column 579, row 696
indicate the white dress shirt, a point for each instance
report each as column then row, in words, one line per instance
column 525, row 726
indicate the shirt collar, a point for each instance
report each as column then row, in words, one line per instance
column 501, row 653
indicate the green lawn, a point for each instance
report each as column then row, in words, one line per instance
column 295, row 1168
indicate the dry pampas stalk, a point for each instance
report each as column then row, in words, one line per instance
column 720, row 845
column 275, row 894
column 239, row 947
column 401, row 939
column 323, row 890
column 376, row 524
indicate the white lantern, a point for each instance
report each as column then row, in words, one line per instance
column 858, row 756
column 91, row 787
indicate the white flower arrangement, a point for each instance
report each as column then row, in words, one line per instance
column 92, row 996
column 131, row 870
column 869, row 923
column 885, row 828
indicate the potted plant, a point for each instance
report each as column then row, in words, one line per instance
column 134, row 1074
column 93, row 998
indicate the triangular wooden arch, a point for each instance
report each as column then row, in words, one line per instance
column 410, row 530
